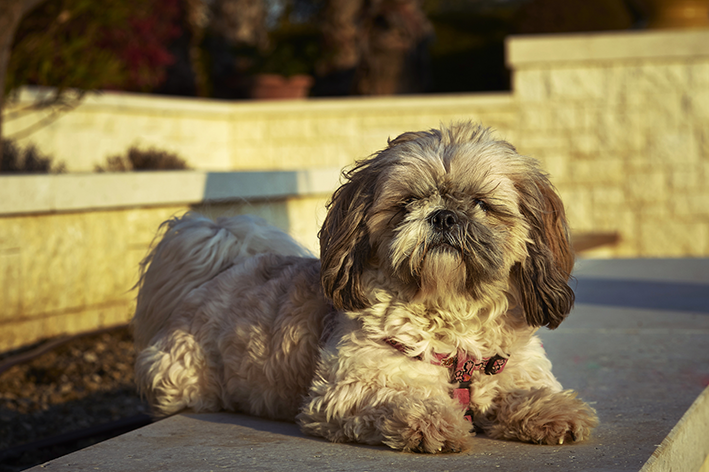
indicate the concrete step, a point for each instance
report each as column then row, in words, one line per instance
column 636, row 347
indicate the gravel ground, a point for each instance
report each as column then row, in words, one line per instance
column 75, row 387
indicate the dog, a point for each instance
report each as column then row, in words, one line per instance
column 440, row 257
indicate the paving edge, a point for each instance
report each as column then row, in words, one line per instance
column 686, row 447
column 532, row 50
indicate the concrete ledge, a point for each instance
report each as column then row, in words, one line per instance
column 687, row 443
column 70, row 244
column 75, row 192
column 164, row 105
column 644, row 369
column 524, row 51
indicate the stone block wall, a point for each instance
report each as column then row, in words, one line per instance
column 621, row 121
column 70, row 272
column 226, row 136
column 68, row 265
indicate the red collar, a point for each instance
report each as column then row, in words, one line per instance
column 461, row 366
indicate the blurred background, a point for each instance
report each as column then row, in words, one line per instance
column 215, row 48
column 118, row 114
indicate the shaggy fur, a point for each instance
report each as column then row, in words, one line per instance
column 446, row 241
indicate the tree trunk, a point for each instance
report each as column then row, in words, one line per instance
column 11, row 12
column 241, row 22
column 393, row 43
column 383, row 41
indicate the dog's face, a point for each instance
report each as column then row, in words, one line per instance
column 447, row 214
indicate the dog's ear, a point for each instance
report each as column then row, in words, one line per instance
column 345, row 249
column 344, row 240
column 543, row 276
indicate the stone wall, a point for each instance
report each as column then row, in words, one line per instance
column 248, row 135
column 620, row 121
column 70, row 251
column 70, row 272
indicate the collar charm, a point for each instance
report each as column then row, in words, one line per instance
column 461, row 367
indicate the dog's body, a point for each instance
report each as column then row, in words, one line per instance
column 445, row 251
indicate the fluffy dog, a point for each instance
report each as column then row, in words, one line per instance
column 441, row 255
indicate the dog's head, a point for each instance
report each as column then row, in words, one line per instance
column 449, row 213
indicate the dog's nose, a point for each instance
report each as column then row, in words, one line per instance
column 443, row 220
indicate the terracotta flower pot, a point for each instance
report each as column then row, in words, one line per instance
column 678, row 13
column 274, row 87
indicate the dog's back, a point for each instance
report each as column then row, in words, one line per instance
column 193, row 250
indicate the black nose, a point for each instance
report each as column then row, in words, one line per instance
column 443, row 220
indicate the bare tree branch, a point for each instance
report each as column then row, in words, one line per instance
column 11, row 12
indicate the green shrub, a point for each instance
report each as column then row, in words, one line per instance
column 27, row 160
column 138, row 159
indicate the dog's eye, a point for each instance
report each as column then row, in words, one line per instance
column 481, row 205
column 407, row 201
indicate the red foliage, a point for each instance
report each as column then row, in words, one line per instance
column 143, row 46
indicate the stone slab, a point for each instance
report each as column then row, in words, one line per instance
column 25, row 194
column 644, row 369
column 523, row 51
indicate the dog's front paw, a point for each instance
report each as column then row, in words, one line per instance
column 542, row 417
column 427, row 426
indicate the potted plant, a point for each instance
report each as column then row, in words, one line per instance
column 285, row 68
